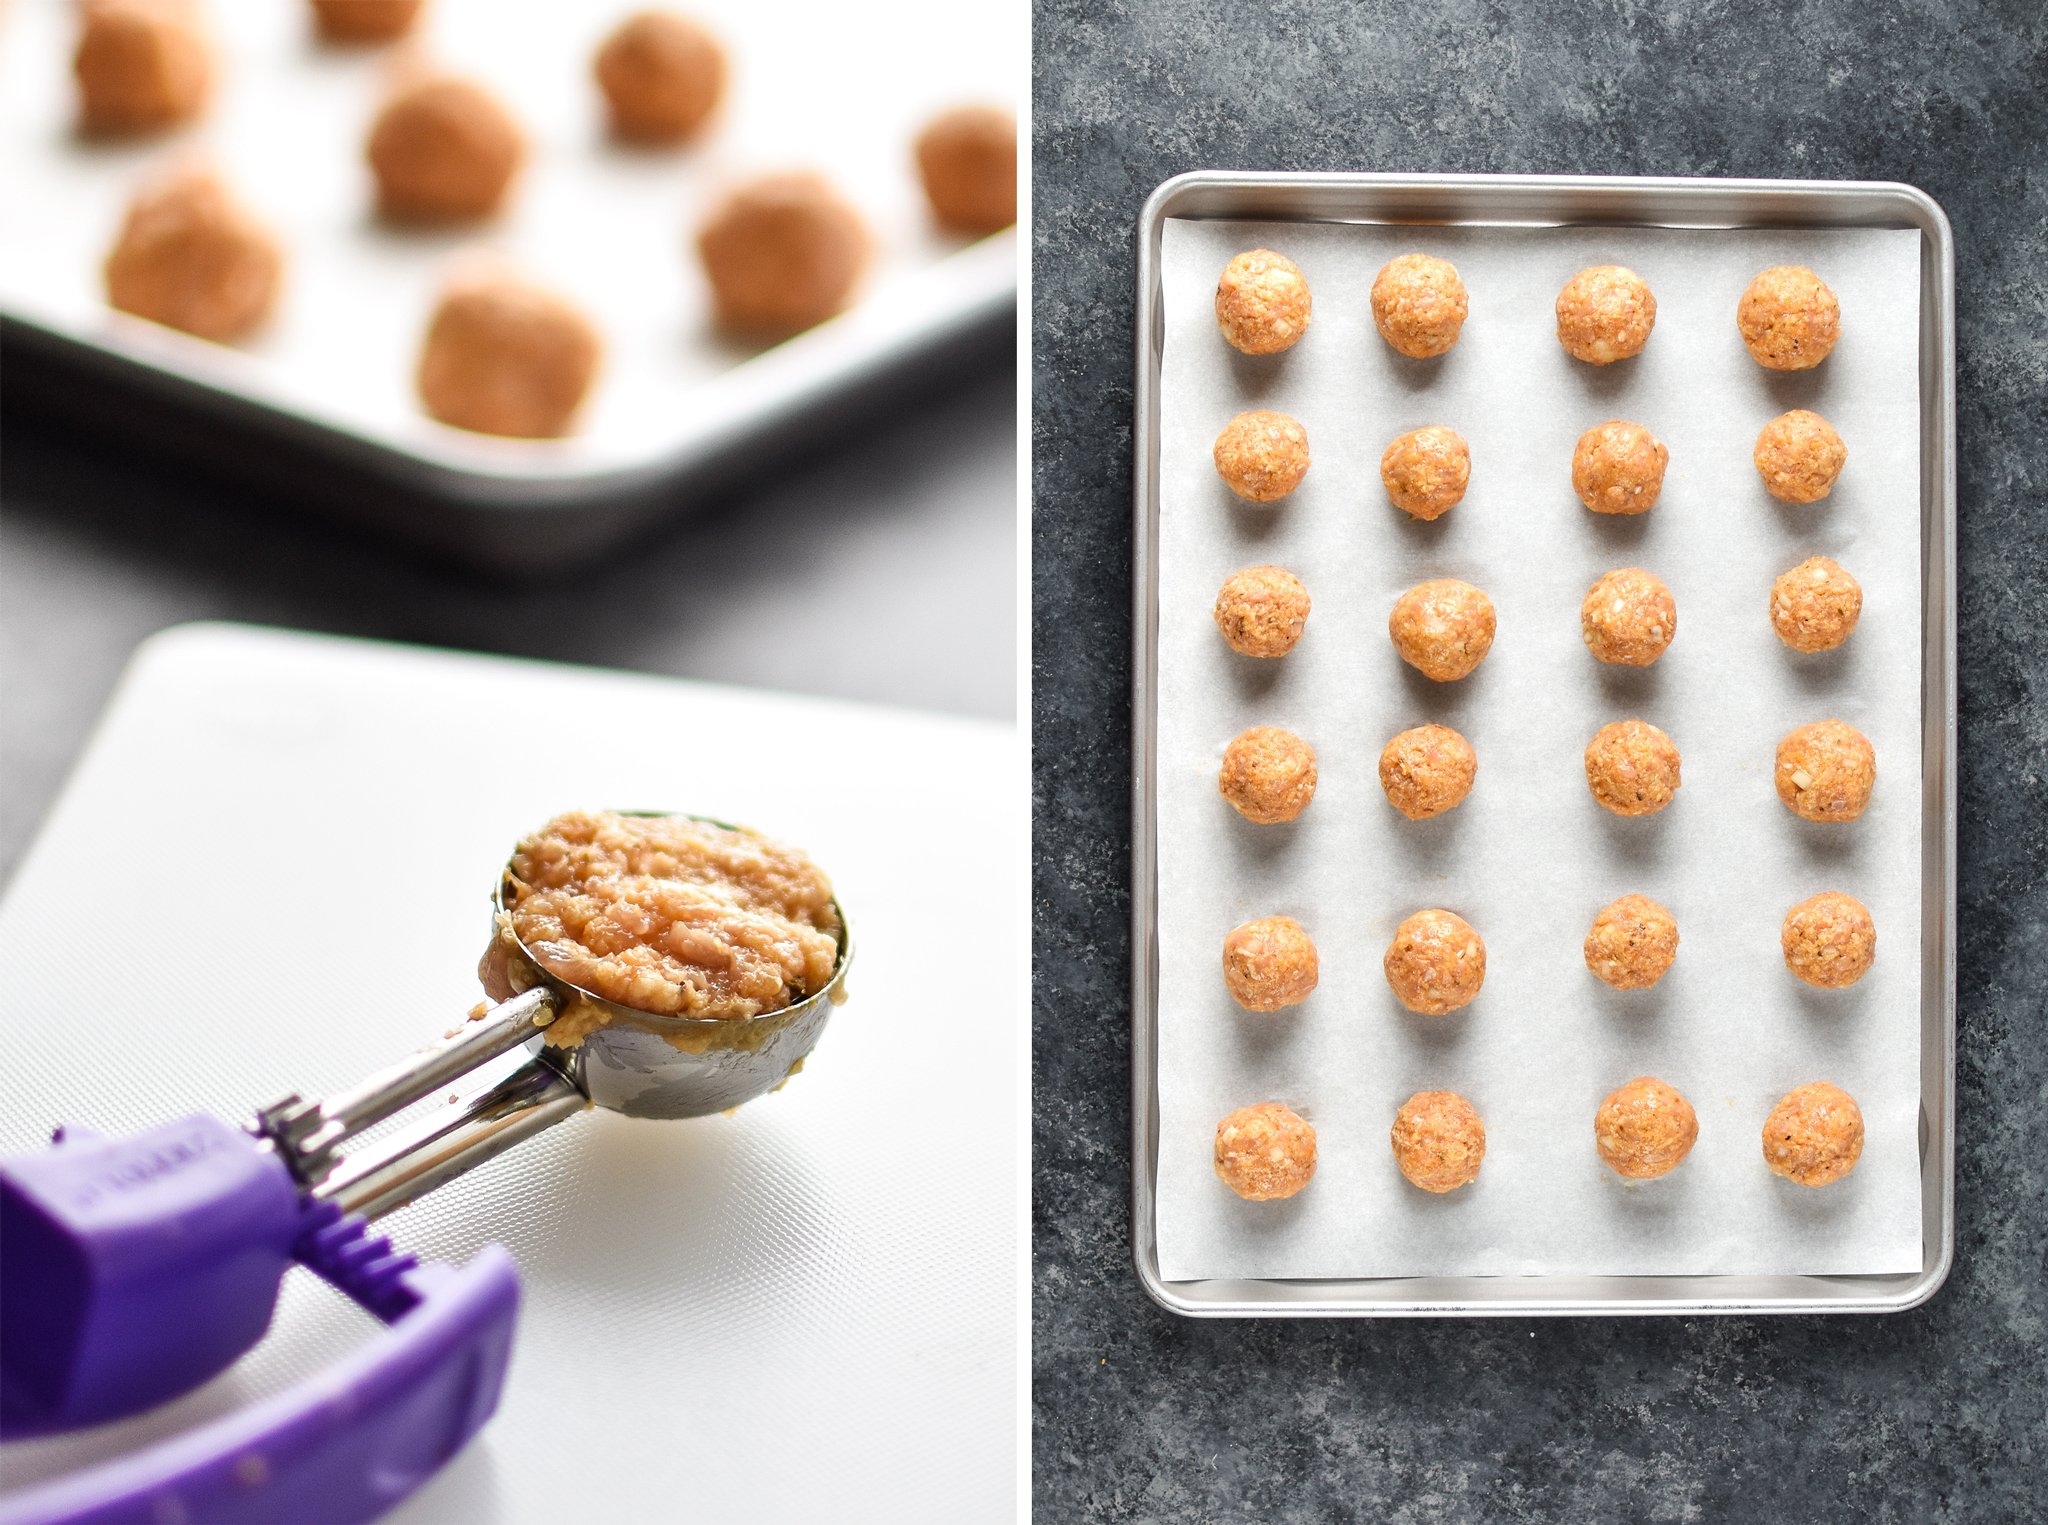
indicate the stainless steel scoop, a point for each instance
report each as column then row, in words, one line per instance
column 638, row 1063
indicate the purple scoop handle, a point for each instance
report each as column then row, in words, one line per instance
column 133, row 1269
column 340, row 1448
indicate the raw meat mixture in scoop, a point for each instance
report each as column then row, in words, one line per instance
column 667, row 915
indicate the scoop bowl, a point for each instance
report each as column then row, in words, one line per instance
column 644, row 1064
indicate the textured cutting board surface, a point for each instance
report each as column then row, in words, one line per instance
column 271, row 872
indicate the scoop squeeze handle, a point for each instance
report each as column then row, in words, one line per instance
column 133, row 1269
column 342, row 1447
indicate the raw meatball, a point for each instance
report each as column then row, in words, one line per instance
column 1261, row 611
column 1418, row 305
column 1438, row 1140
column 1618, row 468
column 1633, row 943
column 141, row 64
column 1443, row 628
column 1799, row 455
column 662, row 76
column 1789, row 318
column 1269, row 964
column 665, row 915
column 1815, row 605
column 444, row 149
column 1632, row 768
column 1427, row 770
column 1826, row 771
column 1262, row 303
column 1262, row 455
column 783, row 254
column 968, row 160
column 1269, row 775
column 1644, row 1129
column 191, row 256
column 1830, row 940
column 1628, row 618
column 365, row 20
column 1425, row 471
column 1815, row 1135
column 1265, row 1152
column 1605, row 314
column 1436, row 963
column 503, row 356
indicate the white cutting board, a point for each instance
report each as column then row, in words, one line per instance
column 804, row 1311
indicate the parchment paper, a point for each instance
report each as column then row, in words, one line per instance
column 1529, row 858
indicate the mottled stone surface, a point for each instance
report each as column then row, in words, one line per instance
column 1138, row 1415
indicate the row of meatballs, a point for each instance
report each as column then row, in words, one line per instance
column 1642, row 1130
column 1788, row 317
column 1618, row 466
column 1825, row 771
column 1444, row 627
column 502, row 354
column 1436, row 963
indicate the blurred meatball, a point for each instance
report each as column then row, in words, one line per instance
column 1427, row 770
column 1262, row 455
column 1826, row 771
column 1268, row 775
column 1816, row 605
column 1645, row 1129
column 662, row 76
column 1419, row 305
column 967, row 158
column 141, row 64
column 1799, row 456
column 1436, row 963
column 1618, row 468
column 1789, row 318
column 783, row 254
column 1262, row 611
column 1628, row 618
column 1269, row 964
column 443, row 149
column 504, row 356
column 1814, row 1136
column 1262, row 303
column 1439, row 1141
column 1425, row 472
column 1632, row 768
column 366, row 20
column 1605, row 314
column 1265, row 1152
column 1633, row 943
column 1829, row 940
column 192, row 257
column 1442, row 628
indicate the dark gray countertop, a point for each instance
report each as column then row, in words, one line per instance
column 1141, row 1416
column 879, row 565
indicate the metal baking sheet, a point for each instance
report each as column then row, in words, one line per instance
column 1542, row 201
column 320, row 403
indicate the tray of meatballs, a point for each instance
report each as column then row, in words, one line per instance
column 1544, row 785
column 528, row 257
